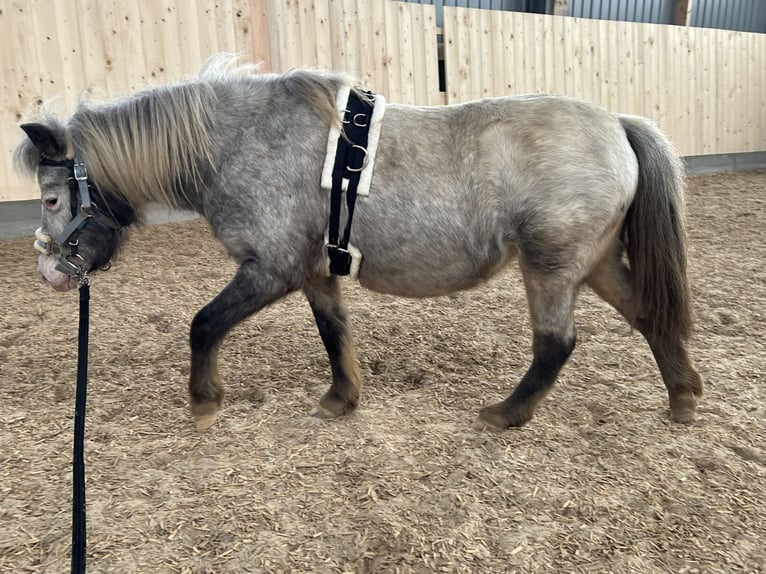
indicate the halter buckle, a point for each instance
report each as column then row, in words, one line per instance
column 80, row 173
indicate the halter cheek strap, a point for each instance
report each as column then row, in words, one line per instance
column 80, row 214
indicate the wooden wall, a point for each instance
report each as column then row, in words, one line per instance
column 706, row 88
column 56, row 49
column 390, row 47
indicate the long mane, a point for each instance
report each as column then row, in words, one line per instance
column 158, row 145
column 151, row 146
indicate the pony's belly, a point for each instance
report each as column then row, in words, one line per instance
column 418, row 280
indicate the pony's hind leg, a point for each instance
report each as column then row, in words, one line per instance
column 324, row 296
column 251, row 289
column 551, row 305
column 611, row 281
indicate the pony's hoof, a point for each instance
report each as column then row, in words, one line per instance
column 683, row 416
column 332, row 407
column 205, row 414
column 322, row 413
column 204, row 422
column 496, row 417
column 683, row 408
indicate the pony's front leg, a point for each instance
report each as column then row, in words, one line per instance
column 251, row 289
column 324, row 296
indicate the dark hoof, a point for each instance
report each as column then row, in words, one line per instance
column 500, row 417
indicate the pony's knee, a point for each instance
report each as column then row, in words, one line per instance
column 203, row 330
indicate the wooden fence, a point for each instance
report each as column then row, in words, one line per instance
column 706, row 88
column 60, row 48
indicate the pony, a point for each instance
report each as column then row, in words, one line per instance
column 577, row 195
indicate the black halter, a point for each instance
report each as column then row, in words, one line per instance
column 82, row 209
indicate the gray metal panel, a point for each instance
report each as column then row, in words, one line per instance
column 743, row 15
column 648, row 11
column 538, row 6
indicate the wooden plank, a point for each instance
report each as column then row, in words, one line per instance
column 260, row 50
column 392, row 58
column 431, row 56
column 277, row 35
column 243, row 30
column 420, row 66
column 484, row 75
column 187, row 34
column 405, row 72
column 537, row 32
column 378, row 72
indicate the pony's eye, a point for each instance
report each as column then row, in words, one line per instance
column 51, row 202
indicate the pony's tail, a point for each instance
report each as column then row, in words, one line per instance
column 655, row 234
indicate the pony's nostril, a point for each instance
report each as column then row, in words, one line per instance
column 51, row 202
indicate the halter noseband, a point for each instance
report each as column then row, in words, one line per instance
column 79, row 185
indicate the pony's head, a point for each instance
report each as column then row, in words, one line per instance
column 82, row 225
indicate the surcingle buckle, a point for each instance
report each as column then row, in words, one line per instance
column 340, row 260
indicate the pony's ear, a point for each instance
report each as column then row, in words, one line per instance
column 50, row 143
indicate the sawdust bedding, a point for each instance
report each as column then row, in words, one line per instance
column 599, row 481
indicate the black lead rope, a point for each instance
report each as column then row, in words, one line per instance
column 78, row 455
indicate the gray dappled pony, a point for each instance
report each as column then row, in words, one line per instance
column 576, row 194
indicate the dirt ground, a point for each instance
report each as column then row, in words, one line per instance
column 599, row 481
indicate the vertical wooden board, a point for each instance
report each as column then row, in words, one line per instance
column 615, row 63
column 758, row 101
column 650, row 71
column 167, row 30
column 206, row 30
column 277, row 40
column 153, row 15
column 50, row 71
column 484, row 74
column 377, row 74
column 350, row 38
column 242, row 21
column 468, row 50
column 668, row 55
column 511, row 62
column 393, row 50
column 224, row 25
column 547, row 43
column 322, row 34
column 744, row 77
column 305, row 35
column 705, row 79
column 522, row 49
column 570, row 52
column 431, row 55
column 187, row 34
column 260, row 47
column 68, row 40
column 127, row 22
column 541, row 61
column 418, row 42
column 561, row 58
column 290, row 23
column 713, row 88
column 575, row 47
column 628, row 74
column 474, row 54
column 366, row 54
column 451, row 55
column 685, row 101
column 406, row 89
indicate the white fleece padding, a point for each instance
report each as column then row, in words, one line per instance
column 373, row 136
column 365, row 178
